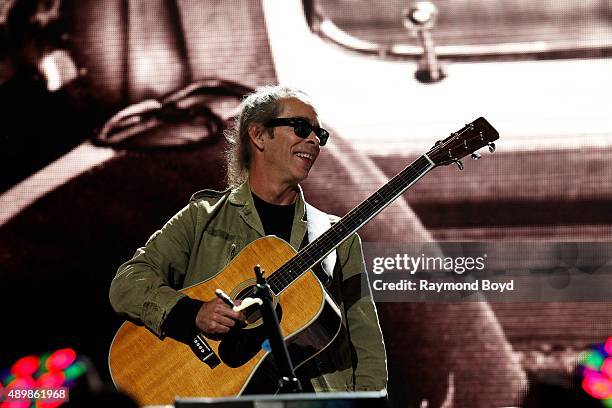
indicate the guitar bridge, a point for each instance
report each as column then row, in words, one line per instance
column 203, row 352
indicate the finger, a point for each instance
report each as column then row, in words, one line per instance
column 219, row 301
column 215, row 327
column 225, row 321
column 227, row 311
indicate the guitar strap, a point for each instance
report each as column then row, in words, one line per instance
column 318, row 223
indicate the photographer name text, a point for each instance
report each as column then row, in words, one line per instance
column 485, row 285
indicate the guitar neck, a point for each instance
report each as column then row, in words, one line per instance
column 315, row 251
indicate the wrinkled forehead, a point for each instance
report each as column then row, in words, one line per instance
column 299, row 108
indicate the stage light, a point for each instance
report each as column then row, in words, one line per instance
column 75, row 370
column 51, row 379
column 54, row 370
column 597, row 386
column 596, row 369
column 608, row 346
column 61, row 359
column 12, row 404
column 43, row 404
column 6, row 379
column 25, row 366
column 25, row 383
column 592, row 359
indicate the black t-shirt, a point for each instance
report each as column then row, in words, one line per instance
column 276, row 219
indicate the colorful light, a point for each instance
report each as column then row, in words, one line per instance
column 596, row 370
column 53, row 379
column 43, row 362
column 25, row 366
column 22, row 382
column 61, row 359
column 75, row 370
column 608, row 346
column 597, row 386
column 4, row 374
column 47, row 371
column 7, row 380
column 46, row 404
column 606, row 367
column 15, row 404
column 592, row 359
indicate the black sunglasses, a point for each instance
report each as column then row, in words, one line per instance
column 301, row 127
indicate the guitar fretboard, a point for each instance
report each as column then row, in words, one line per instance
column 315, row 251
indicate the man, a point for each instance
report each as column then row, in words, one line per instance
column 276, row 141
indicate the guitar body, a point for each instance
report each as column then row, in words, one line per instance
column 155, row 371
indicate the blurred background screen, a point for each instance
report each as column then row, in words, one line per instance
column 112, row 115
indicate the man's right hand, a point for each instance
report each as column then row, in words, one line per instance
column 216, row 317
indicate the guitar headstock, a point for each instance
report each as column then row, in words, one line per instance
column 467, row 140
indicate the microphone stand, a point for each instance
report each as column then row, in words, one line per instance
column 288, row 382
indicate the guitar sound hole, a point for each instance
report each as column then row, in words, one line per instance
column 239, row 346
column 253, row 313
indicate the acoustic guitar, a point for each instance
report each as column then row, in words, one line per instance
column 155, row 371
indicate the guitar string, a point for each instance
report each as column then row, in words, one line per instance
column 302, row 260
column 286, row 274
column 349, row 222
column 283, row 276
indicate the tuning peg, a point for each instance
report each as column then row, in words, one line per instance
column 476, row 156
column 459, row 164
column 491, row 146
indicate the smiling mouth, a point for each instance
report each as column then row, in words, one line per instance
column 305, row 156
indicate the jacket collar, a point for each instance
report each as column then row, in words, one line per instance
column 241, row 196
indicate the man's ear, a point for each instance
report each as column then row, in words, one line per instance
column 257, row 135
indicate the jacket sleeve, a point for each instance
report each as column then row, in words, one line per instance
column 369, row 360
column 145, row 288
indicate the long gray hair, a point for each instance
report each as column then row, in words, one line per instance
column 258, row 107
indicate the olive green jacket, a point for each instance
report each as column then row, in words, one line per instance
column 203, row 237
